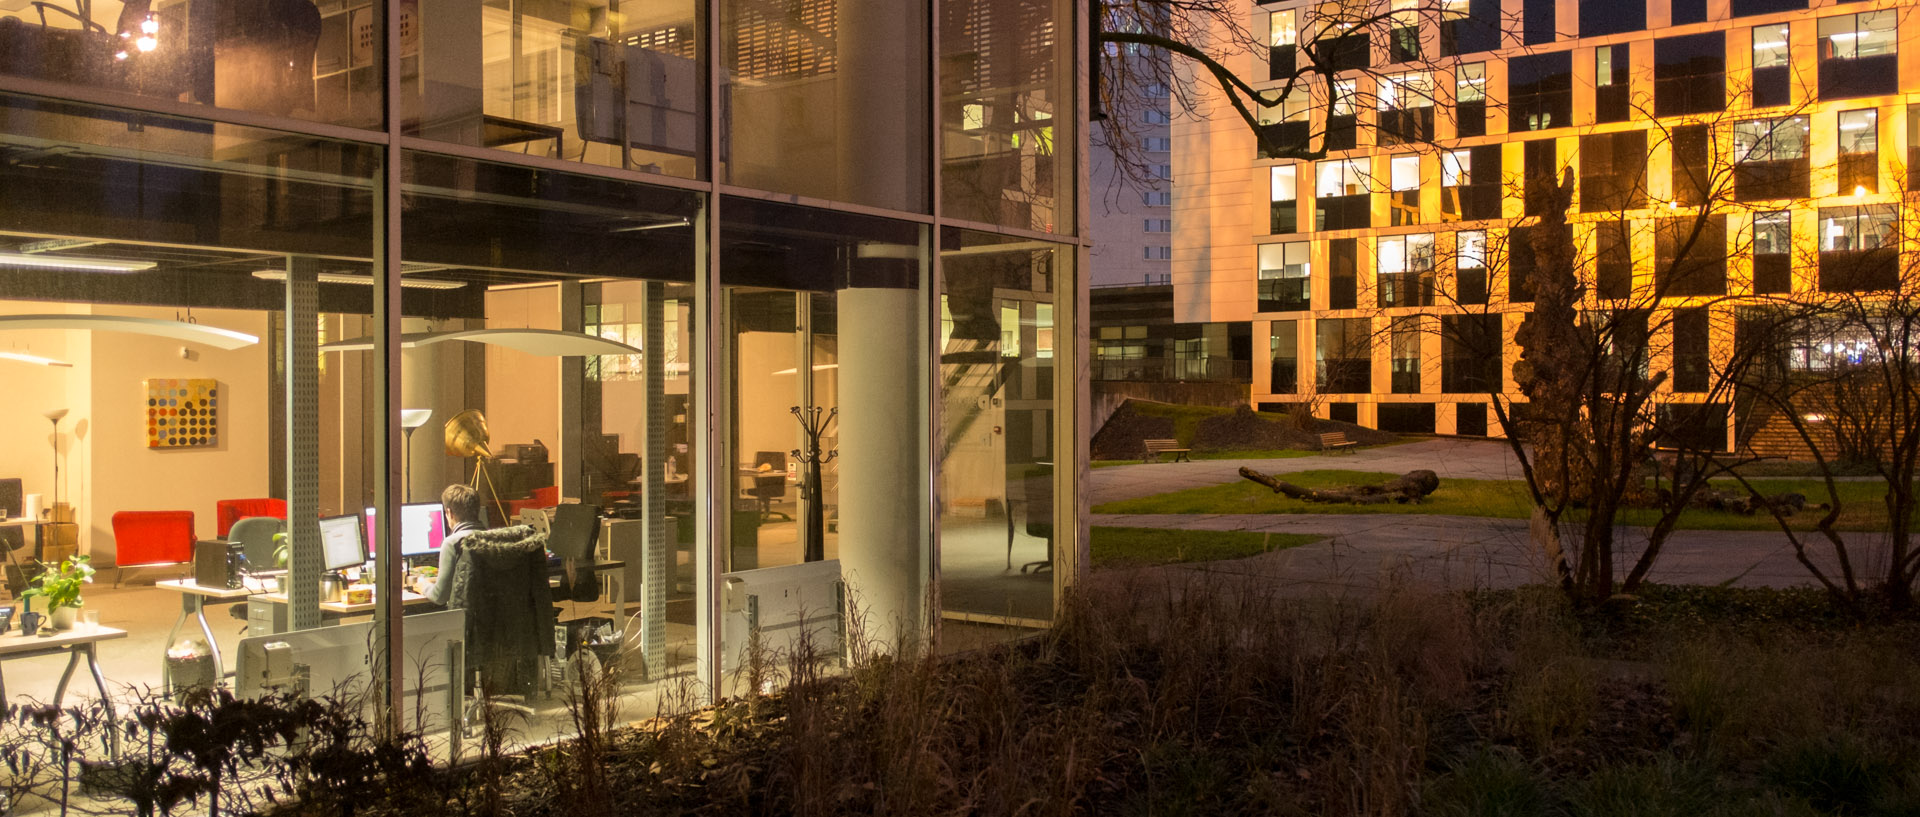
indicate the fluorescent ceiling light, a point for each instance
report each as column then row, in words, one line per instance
column 363, row 280
column 34, row 359
column 543, row 342
column 73, row 263
column 818, row 367
column 200, row 333
column 661, row 225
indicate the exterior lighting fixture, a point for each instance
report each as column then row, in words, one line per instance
column 1859, row 190
column 71, row 263
column 364, row 280
column 1814, row 418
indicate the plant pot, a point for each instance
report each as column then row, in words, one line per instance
column 62, row 617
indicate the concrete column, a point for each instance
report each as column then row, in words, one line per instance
column 882, row 549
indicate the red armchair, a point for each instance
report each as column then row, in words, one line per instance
column 228, row 511
column 152, row 537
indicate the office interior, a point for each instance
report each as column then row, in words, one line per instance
column 144, row 253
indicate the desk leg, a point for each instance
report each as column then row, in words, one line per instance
column 189, row 605
column 213, row 644
column 106, row 702
column 60, row 692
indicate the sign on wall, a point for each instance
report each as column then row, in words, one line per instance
column 182, row 412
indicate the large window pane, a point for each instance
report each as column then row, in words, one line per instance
column 282, row 57
column 1007, row 112
column 616, row 85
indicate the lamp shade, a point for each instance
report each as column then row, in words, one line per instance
column 414, row 418
column 467, row 435
column 54, row 414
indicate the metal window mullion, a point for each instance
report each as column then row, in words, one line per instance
column 387, row 618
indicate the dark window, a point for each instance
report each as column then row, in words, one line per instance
column 1694, row 426
column 1770, row 158
column 1405, row 418
column 1749, row 8
column 1613, row 171
column 1772, row 65
column 1406, row 108
column 1691, row 144
column 1540, row 91
column 1690, row 74
column 1687, row 11
column 1690, row 255
column 1282, row 39
column 1612, row 95
column 1859, row 55
column 1470, row 183
column 1539, row 159
column 1403, row 40
column 1285, row 140
column 1773, row 253
column 1343, row 273
column 1520, row 265
column 1285, row 346
column 1404, row 354
column 1691, row 352
column 1348, row 413
column 1344, row 350
column 1859, row 248
column 1913, row 148
column 1612, row 261
column 1470, row 354
column 1859, row 169
column 1478, row 31
column 1280, row 61
column 1624, row 333
column 1343, row 117
column 1344, row 52
column 1470, row 99
column 1537, row 23
column 1612, row 17
column 1470, row 419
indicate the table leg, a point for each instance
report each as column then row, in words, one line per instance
column 60, row 692
column 189, row 605
column 106, row 702
column 213, row 644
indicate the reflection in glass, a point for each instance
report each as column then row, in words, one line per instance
column 996, row 440
column 1007, row 112
column 609, row 84
column 283, row 57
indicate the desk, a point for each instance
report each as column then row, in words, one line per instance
column 194, row 598
column 408, row 598
column 77, row 645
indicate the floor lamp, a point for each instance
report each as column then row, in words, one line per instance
column 411, row 420
column 55, row 415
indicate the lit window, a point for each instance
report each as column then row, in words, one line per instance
column 1340, row 177
column 1770, row 46
column 1470, row 82
column 1470, row 249
column 1456, row 168
column 1405, row 173
column 1770, row 140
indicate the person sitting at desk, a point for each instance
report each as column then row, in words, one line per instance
column 462, row 506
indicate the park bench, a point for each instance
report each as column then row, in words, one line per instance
column 1157, row 447
column 1336, row 441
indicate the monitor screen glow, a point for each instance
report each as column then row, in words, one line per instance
column 422, row 529
column 340, row 538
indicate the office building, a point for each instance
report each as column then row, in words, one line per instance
column 321, row 260
column 1385, row 280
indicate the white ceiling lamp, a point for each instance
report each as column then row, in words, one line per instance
column 542, row 342
column 72, row 263
column 34, row 359
column 363, row 280
column 213, row 336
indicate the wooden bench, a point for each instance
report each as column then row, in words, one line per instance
column 1336, row 441
column 1157, row 447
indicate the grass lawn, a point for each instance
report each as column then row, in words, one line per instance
column 1505, row 499
column 1142, row 547
column 1254, row 454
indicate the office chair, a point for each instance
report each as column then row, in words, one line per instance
column 255, row 535
column 228, row 511
column 770, row 485
column 502, row 584
column 1037, row 502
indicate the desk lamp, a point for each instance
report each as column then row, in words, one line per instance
column 411, row 420
column 55, row 415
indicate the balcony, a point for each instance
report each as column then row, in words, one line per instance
column 1354, row 212
column 1286, row 294
column 1284, row 217
column 1778, row 179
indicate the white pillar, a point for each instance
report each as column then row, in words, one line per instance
column 882, row 549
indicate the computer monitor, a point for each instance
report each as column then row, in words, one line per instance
column 572, row 531
column 340, row 541
column 422, row 529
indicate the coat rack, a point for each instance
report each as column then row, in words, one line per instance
column 814, row 425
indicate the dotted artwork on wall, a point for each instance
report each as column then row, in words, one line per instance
column 183, row 412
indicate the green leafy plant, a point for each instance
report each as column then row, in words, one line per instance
column 60, row 585
column 280, row 549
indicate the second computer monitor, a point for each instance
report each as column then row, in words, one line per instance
column 422, row 529
column 340, row 538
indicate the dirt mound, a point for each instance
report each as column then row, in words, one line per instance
column 1243, row 429
column 1126, row 433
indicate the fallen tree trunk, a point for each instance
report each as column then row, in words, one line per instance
column 1412, row 486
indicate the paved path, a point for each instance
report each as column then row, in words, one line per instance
column 1367, row 551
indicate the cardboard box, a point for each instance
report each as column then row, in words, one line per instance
column 59, row 534
column 62, row 513
column 54, row 554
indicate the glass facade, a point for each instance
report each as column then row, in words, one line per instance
column 675, row 290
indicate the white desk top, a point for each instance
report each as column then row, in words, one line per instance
column 407, row 597
column 196, row 589
column 13, row 642
column 10, row 521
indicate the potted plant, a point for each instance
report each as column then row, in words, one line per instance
column 60, row 586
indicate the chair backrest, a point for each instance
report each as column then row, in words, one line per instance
column 255, row 535
column 228, row 511
column 777, row 459
column 12, row 499
column 152, row 537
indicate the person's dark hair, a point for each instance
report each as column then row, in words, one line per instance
column 462, row 503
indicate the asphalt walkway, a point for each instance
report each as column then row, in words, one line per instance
column 1367, row 551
